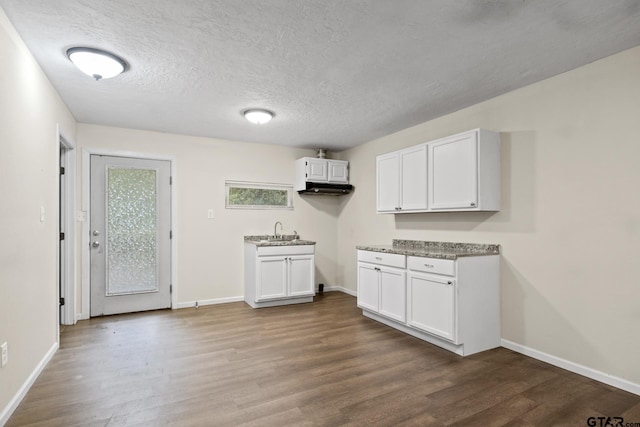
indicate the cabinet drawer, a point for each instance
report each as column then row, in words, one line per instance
column 381, row 258
column 285, row 250
column 432, row 265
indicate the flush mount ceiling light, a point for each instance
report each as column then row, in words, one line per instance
column 97, row 63
column 258, row 116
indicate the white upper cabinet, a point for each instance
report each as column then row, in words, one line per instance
column 413, row 192
column 388, row 182
column 464, row 172
column 338, row 171
column 402, row 180
column 457, row 173
column 316, row 170
column 312, row 169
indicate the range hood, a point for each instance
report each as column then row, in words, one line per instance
column 326, row 189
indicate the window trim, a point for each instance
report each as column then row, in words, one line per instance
column 258, row 186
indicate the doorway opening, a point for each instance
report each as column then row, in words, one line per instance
column 67, row 243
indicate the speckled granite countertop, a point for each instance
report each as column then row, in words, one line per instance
column 286, row 240
column 442, row 250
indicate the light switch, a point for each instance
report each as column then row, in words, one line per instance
column 210, row 214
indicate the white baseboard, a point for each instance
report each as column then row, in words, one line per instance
column 13, row 403
column 340, row 289
column 574, row 367
column 200, row 303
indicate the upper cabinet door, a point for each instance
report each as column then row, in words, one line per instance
column 413, row 184
column 317, row 170
column 388, row 182
column 453, row 172
column 338, row 171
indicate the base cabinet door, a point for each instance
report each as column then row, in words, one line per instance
column 272, row 278
column 393, row 296
column 368, row 289
column 301, row 275
column 432, row 305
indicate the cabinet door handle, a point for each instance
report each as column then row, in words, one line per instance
column 449, row 282
column 472, row 204
column 376, row 268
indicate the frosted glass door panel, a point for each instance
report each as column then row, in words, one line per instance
column 132, row 250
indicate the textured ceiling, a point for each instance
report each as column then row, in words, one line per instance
column 337, row 73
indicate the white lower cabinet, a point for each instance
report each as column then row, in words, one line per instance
column 454, row 304
column 381, row 289
column 278, row 275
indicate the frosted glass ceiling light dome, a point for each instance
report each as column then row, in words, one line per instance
column 258, row 116
column 97, row 63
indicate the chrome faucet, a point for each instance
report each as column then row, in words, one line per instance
column 275, row 229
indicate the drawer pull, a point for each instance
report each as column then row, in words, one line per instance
column 429, row 265
column 376, row 268
column 379, row 258
column 449, row 282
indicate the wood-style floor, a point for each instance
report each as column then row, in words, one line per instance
column 319, row 364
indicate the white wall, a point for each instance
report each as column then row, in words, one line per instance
column 210, row 251
column 570, row 220
column 30, row 109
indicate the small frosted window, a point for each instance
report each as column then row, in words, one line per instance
column 250, row 195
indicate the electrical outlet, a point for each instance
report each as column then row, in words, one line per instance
column 5, row 354
column 210, row 214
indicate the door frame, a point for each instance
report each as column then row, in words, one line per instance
column 86, row 215
column 67, row 158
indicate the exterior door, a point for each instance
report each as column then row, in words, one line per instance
column 130, row 228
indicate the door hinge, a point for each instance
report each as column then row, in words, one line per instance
column 170, row 180
column 171, row 234
column 61, row 301
column 61, row 236
column 61, row 170
column 306, row 163
column 170, row 289
column 306, row 175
